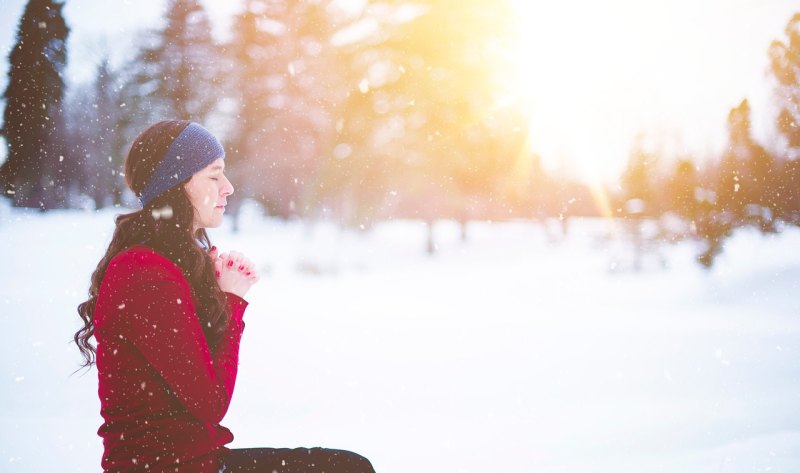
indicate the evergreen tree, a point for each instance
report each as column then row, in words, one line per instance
column 175, row 73
column 36, row 171
column 249, row 59
column 422, row 128
column 747, row 178
column 681, row 191
column 785, row 66
column 283, row 83
column 96, row 117
column 189, row 59
column 638, row 181
column 787, row 192
column 111, row 116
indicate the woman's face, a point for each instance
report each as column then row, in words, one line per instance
column 208, row 190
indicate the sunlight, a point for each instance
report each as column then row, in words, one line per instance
column 565, row 52
column 596, row 74
column 601, row 200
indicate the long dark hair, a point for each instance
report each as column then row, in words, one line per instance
column 170, row 236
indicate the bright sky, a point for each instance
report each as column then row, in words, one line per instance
column 597, row 73
column 600, row 72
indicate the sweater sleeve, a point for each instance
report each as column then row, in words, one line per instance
column 159, row 319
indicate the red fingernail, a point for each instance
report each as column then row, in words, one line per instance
column 230, row 263
column 213, row 248
column 217, row 273
column 247, row 273
column 241, row 267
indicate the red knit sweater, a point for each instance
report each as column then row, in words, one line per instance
column 162, row 392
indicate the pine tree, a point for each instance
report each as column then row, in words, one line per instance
column 188, row 56
column 36, row 173
column 175, row 72
column 681, row 190
column 283, row 83
column 249, row 57
column 420, row 122
column 638, row 181
column 112, row 145
column 95, row 115
column 785, row 65
column 747, row 176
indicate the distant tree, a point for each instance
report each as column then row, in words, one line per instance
column 711, row 225
column 284, row 84
column 138, row 79
column 785, row 67
column 787, row 192
column 187, row 56
column 174, row 74
column 36, row 172
column 743, row 190
column 638, row 181
column 681, row 190
column 747, row 178
column 423, row 129
column 638, row 197
column 95, row 112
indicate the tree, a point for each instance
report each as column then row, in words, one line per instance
column 188, row 56
column 787, row 192
column 785, row 66
column 681, row 190
column 746, row 178
column 174, row 74
column 95, row 112
column 284, row 85
column 638, row 181
column 425, row 132
column 36, row 171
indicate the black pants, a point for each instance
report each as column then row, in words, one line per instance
column 295, row 460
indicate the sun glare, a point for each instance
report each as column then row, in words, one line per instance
column 589, row 72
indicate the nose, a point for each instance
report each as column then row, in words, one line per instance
column 227, row 189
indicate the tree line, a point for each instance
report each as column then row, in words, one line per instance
column 398, row 110
column 747, row 185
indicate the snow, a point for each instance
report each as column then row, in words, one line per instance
column 513, row 352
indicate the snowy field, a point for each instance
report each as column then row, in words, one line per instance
column 514, row 352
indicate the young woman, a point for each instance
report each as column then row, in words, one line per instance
column 167, row 315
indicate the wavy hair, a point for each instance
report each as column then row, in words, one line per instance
column 170, row 235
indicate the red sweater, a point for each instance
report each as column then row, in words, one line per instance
column 162, row 391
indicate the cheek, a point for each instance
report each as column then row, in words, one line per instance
column 210, row 196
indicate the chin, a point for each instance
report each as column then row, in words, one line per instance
column 211, row 224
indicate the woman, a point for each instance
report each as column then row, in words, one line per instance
column 167, row 316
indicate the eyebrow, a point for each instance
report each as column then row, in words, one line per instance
column 216, row 167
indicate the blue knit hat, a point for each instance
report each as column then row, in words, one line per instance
column 193, row 149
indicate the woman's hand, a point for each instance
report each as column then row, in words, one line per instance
column 235, row 273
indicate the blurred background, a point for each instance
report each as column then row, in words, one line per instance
column 495, row 236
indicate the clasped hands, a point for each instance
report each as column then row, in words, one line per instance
column 235, row 272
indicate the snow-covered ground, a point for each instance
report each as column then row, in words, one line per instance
column 512, row 352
